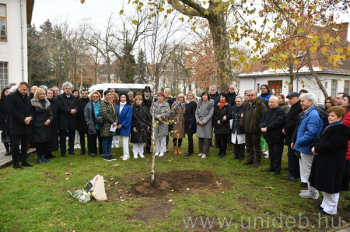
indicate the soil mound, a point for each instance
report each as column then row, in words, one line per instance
column 180, row 180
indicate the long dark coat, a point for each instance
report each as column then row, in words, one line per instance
column 148, row 103
column 81, row 123
column 141, row 120
column 328, row 166
column 3, row 114
column 67, row 121
column 291, row 122
column 190, row 117
column 52, row 144
column 19, row 107
column 41, row 132
column 273, row 120
column 236, row 122
column 224, row 128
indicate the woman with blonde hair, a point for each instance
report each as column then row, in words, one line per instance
column 41, row 130
column 177, row 119
column 190, row 121
column 130, row 97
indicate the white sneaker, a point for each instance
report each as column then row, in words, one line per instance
column 304, row 191
column 126, row 157
column 200, row 154
column 312, row 195
column 161, row 154
column 267, row 156
column 156, row 154
column 266, row 153
column 141, row 155
column 135, row 156
column 203, row 156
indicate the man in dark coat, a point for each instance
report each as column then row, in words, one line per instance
column 190, row 122
column 82, row 127
column 21, row 114
column 232, row 95
column 147, row 102
column 214, row 95
column 68, row 107
column 289, row 127
column 253, row 111
column 271, row 125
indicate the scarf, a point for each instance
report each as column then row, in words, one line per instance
column 121, row 106
column 265, row 94
column 333, row 124
column 43, row 103
column 96, row 106
column 239, row 108
column 222, row 104
column 53, row 101
column 177, row 106
column 189, row 101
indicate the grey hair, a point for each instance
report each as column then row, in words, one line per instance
column 167, row 89
column 213, row 86
column 233, row 86
column 44, row 87
column 252, row 90
column 65, row 84
column 55, row 87
column 239, row 96
column 275, row 98
column 13, row 89
column 309, row 97
column 12, row 84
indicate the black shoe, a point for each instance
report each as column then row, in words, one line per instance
column 219, row 154
column 44, row 158
column 50, row 156
column 107, row 158
column 72, row 153
column 188, row 154
column 325, row 213
column 235, row 158
column 41, row 161
column 319, row 207
column 291, row 179
column 93, row 155
column 17, row 166
column 26, row 164
column 222, row 155
column 277, row 173
column 149, row 152
column 303, row 185
column 7, row 152
column 270, row 170
column 112, row 157
column 63, row 154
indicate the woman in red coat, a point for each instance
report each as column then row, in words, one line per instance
column 346, row 177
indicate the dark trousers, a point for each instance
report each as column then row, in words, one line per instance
column 167, row 141
column 82, row 141
column 293, row 163
column 221, row 140
column 23, row 140
column 148, row 141
column 41, row 149
column 275, row 155
column 238, row 150
column 93, row 144
column 252, row 142
column 63, row 136
column 177, row 142
column 190, row 143
column 204, row 145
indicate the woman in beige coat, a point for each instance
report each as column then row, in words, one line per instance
column 177, row 119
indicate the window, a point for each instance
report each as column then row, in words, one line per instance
column 334, row 88
column 3, row 29
column 3, row 76
column 275, row 87
column 347, row 87
column 326, row 85
column 258, row 88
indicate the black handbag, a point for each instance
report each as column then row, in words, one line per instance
column 297, row 154
column 98, row 120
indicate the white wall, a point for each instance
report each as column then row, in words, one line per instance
column 10, row 51
column 248, row 83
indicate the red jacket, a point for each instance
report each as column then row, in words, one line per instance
column 346, row 122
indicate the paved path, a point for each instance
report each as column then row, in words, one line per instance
column 7, row 160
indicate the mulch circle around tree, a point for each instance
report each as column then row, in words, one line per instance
column 179, row 181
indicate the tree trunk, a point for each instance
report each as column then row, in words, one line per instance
column 319, row 83
column 222, row 50
column 291, row 77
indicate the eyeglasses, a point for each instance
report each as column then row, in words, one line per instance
column 251, row 95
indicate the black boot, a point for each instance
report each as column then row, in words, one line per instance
column 49, row 155
column 43, row 157
column 40, row 160
column 7, row 149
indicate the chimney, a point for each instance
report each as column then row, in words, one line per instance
column 343, row 30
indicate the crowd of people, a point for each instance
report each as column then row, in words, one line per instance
column 317, row 137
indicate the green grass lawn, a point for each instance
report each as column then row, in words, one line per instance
column 36, row 199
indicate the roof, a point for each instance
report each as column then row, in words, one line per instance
column 29, row 8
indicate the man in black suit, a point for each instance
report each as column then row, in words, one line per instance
column 21, row 114
column 147, row 102
column 68, row 107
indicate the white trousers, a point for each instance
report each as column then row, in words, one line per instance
column 137, row 148
column 115, row 140
column 305, row 169
column 330, row 202
column 76, row 138
column 161, row 144
column 125, row 143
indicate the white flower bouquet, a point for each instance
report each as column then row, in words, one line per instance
column 81, row 195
